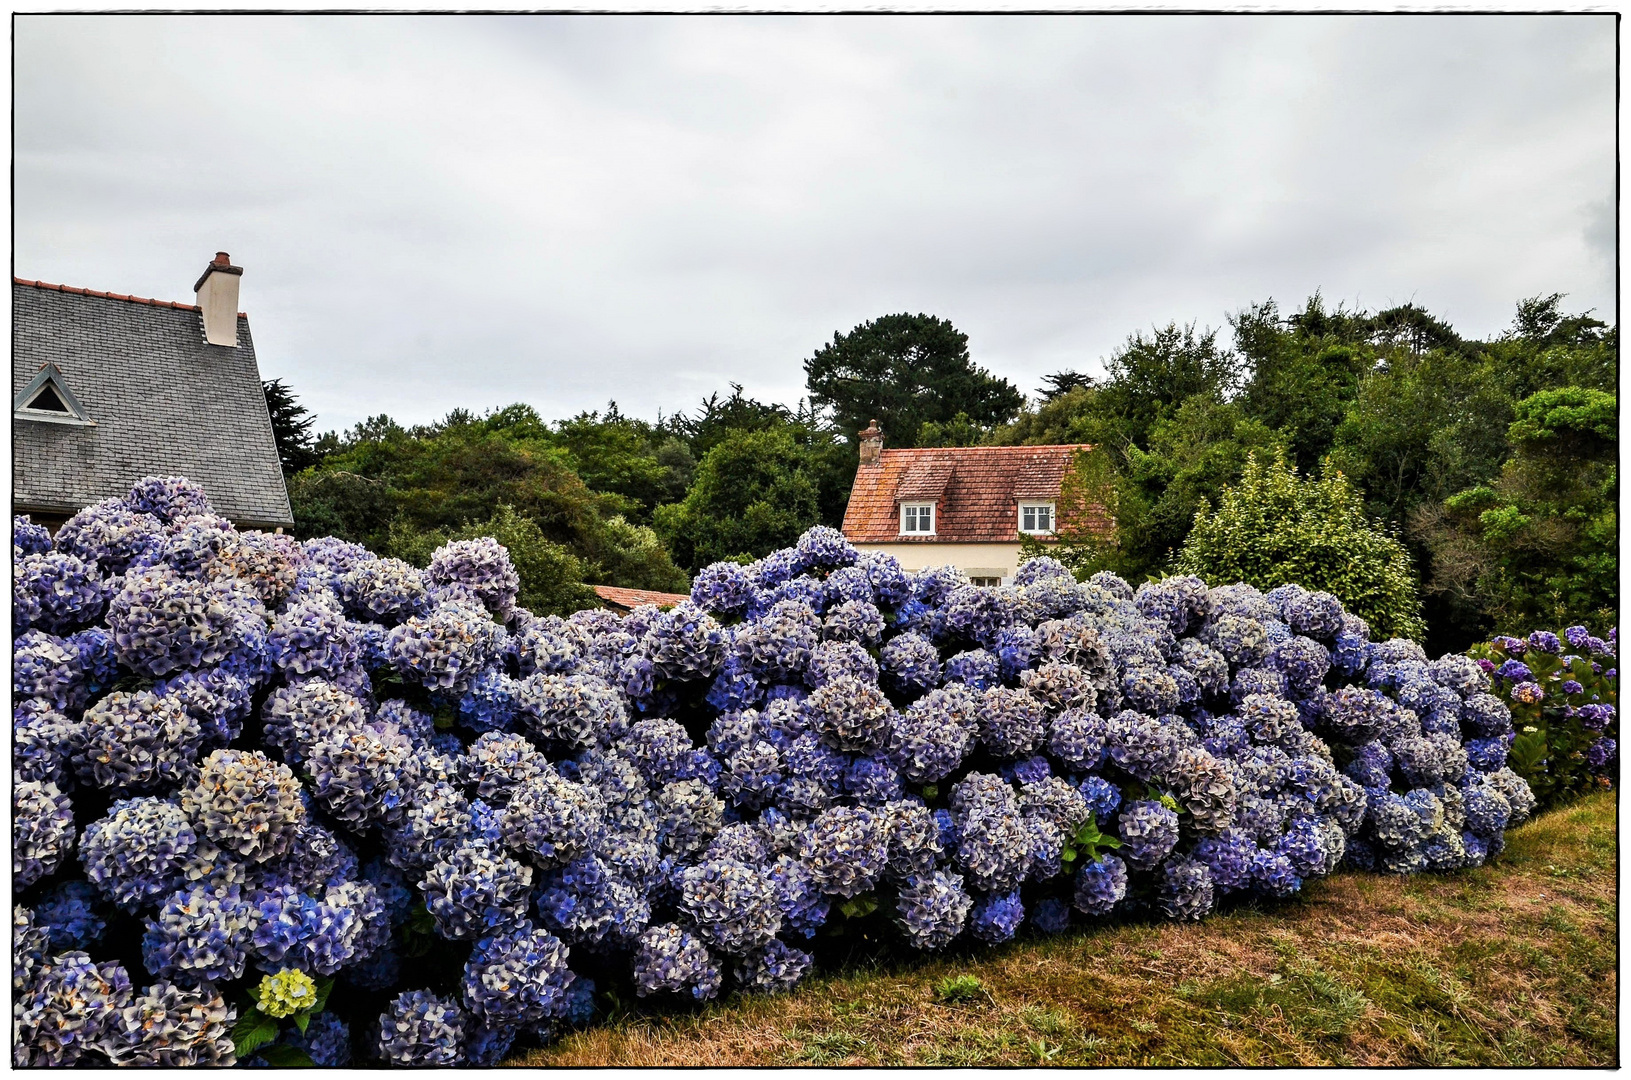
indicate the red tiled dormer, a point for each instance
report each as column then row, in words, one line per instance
column 976, row 491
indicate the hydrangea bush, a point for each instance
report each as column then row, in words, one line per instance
column 1564, row 694
column 251, row 772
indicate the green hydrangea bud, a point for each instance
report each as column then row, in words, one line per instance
column 287, row 992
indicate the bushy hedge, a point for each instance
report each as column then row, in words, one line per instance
column 1275, row 526
column 1564, row 693
column 286, row 802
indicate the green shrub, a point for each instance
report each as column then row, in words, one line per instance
column 1276, row 527
column 551, row 576
column 1557, row 701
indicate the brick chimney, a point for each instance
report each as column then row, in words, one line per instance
column 871, row 444
column 217, row 295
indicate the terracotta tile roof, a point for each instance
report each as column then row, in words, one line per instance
column 976, row 490
column 625, row 600
column 110, row 295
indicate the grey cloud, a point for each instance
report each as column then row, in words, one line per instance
column 439, row 211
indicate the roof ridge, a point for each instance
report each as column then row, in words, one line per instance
column 965, row 449
column 177, row 305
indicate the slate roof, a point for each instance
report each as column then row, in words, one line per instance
column 626, row 600
column 976, row 491
column 164, row 403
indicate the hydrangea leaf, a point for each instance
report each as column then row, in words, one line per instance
column 254, row 1030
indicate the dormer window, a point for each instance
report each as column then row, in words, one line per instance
column 47, row 398
column 917, row 519
column 1036, row 518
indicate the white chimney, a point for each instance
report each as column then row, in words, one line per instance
column 217, row 295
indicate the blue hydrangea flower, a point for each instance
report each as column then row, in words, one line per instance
column 994, row 841
column 200, row 934
column 997, row 917
column 138, row 852
column 136, row 742
column 364, row 774
column 482, row 567
column 670, row 959
column 933, row 735
column 776, row 968
column 42, row 830
column 312, row 638
column 979, row 614
column 1101, row 885
column 553, row 820
column 586, row 900
column 71, row 917
column 911, row 663
column 833, row 659
column 295, row 930
column 823, row 548
column 977, row 669
column 112, row 536
column 732, row 904
column 723, row 588
column 71, row 1006
column 848, row 714
column 421, row 1030
column 1149, row 832
column 846, row 850
column 28, row 538
column 447, row 648
column 1012, row 723
column 54, row 592
column 162, row 622
column 518, row 976
column 684, row 643
column 47, row 668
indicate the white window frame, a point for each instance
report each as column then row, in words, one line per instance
column 1037, row 504
column 918, row 508
column 50, row 375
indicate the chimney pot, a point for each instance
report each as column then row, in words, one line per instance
column 871, row 444
column 217, row 296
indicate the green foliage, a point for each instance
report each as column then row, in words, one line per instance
column 404, row 492
column 1540, row 544
column 1550, row 746
column 906, row 371
column 1275, row 527
column 1088, row 843
column 1572, row 417
column 958, row 431
column 959, row 990
column 859, row 907
column 552, row 578
column 253, row 1030
column 644, row 463
column 256, row 1028
column 291, row 427
column 754, row 492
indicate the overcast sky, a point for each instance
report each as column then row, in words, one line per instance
column 468, row 211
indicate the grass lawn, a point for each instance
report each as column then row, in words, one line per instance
column 1513, row 964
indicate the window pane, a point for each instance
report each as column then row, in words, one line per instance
column 1044, row 518
column 1027, row 517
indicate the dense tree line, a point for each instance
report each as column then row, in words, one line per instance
column 1480, row 475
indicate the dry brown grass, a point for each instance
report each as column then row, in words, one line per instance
column 1513, row 964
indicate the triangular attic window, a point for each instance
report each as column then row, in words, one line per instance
column 47, row 400
column 47, row 397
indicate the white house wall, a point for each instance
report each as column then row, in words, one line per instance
column 975, row 560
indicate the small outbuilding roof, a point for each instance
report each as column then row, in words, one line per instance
column 624, row 601
column 976, row 490
column 156, row 400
